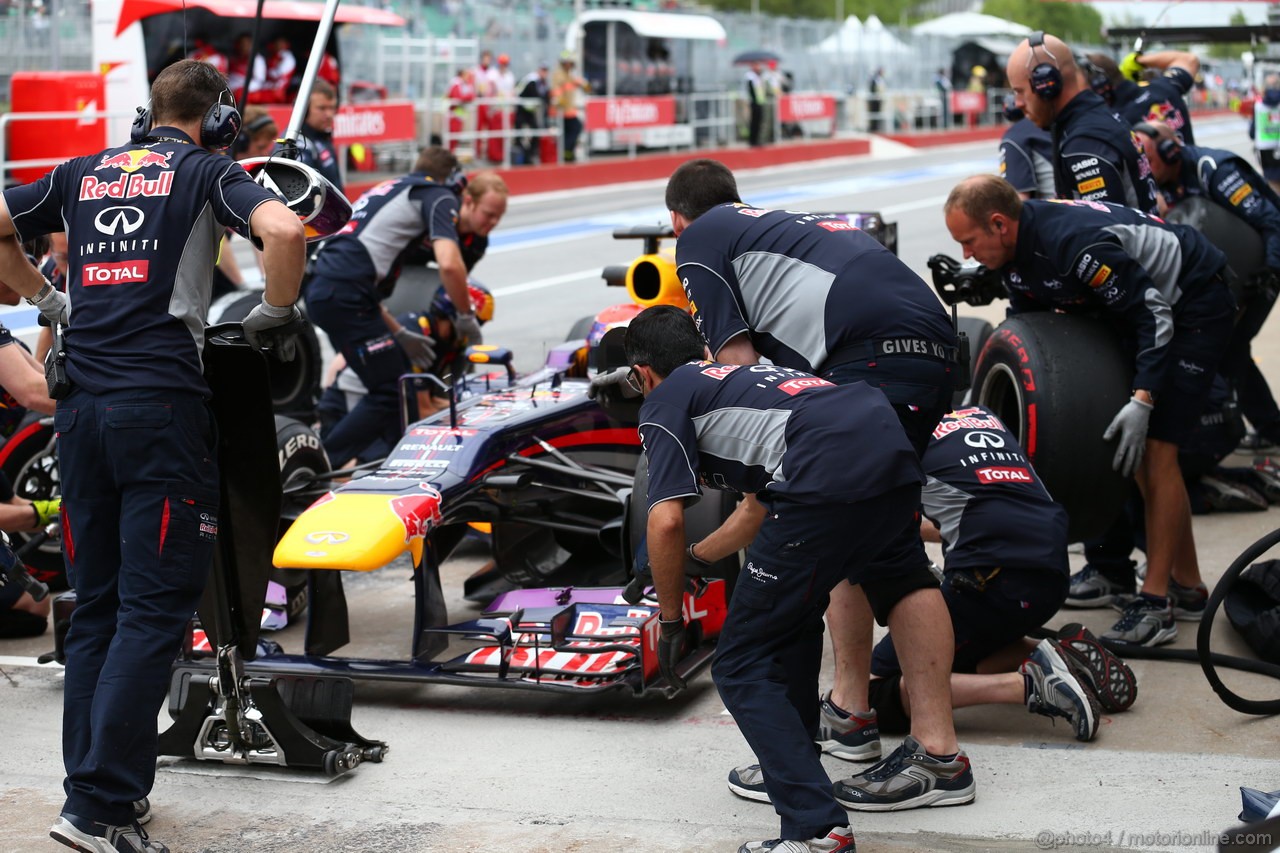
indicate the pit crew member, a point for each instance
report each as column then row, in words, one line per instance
column 1229, row 180
column 1161, row 98
column 1095, row 156
column 359, row 267
column 1005, row 545
column 767, row 431
column 1026, row 156
column 316, row 148
column 1165, row 286
column 135, row 435
column 811, row 293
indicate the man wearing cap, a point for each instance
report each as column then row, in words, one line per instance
column 565, row 86
column 504, row 86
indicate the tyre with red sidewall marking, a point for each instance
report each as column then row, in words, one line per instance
column 1056, row 381
column 29, row 459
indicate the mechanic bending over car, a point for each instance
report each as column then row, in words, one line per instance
column 773, row 434
column 1005, row 545
column 1095, row 157
column 355, row 270
column 136, row 443
column 1165, row 285
column 1161, row 98
column 1229, row 181
column 345, row 389
column 811, row 293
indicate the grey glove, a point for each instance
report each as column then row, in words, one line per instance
column 421, row 349
column 670, row 650
column 467, row 328
column 1130, row 424
column 265, row 317
column 53, row 307
column 602, row 382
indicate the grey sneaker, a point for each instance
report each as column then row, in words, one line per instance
column 853, row 737
column 141, row 811
column 1090, row 588
column 909, row 778
column 1188, row 601
column 748, row 782
column 89, row 836
column 838, row 840
column 1056, row 688
column 1144, row 623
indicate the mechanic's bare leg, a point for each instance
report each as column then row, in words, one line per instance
column 849, row 620
column 27, row 604
column 1005, row 688
column 921, row 626
column 1170, row 543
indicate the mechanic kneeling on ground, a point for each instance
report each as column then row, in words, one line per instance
column 811, row 293
column 1165, row 285
column 1005, row 543
column 359, row 268
column 136, row 444
column 345, row 391
column 808, row 524
column 1229, row 180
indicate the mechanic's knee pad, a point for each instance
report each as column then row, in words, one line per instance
column 884, row 593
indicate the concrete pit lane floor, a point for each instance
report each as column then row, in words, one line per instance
column 475, row 769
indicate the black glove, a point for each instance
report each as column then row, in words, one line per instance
column 671, row 650
column 1262, row 283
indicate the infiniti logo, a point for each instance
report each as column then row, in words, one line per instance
column 327, row 537
column 983, row 439
column 119, row 220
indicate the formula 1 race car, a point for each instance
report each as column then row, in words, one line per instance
column 554, row 474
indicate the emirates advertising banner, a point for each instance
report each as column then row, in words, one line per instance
column 383, row 121
column 626, row 113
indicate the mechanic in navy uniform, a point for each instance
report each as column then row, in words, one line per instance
column 136, row 444
column 316, row 148
column 812, row 516
column 812, row 293
column 1026, row 156
column 1165, row 285
column 1004, row 541
column 1095, row 155
column 359, row 268
column 1160, row 99
column 1228, row 179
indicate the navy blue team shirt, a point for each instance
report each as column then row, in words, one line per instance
column 1099, row 158
column 1232, row 182
column 320, row 154
column 990, row 506
column 764, row 428
column 388, row 224
column 1026, row 158
column 143, row 225
column 1161, row 99
column 802, row 285
column 1087, row 255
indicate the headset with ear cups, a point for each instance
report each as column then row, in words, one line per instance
column 1046, row 77
column 245, row 136
column 1167, row 147
column 218, row 128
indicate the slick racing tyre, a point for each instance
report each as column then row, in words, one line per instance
column 1057, row 380
column 301, row 458
column 29, row 459
column 977, row 330
column 1232, row 235
column 295, row 385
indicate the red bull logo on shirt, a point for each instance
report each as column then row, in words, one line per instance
column 132, row 161
column 126, row 186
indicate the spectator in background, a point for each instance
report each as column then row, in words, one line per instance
column 504, row 86
column 238, row 67
column 977, row 79
column 486, row 87
column 318, row 150
column 280, row 65
column 942, row 83
column 876, row 88
column 534, row 85
column 205, row 52
column 1265, row 130
column 462, row 92
column 567, row 88
column 328, row 71
column 757, row 100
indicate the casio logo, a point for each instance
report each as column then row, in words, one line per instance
column 119, row 220
column 1084, row 164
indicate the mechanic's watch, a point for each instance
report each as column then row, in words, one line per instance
column 695, row 557
column 42, row 294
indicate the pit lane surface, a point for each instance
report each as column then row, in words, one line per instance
column 471, row 769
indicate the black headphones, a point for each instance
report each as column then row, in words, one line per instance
column 246, row 133
column 1099, row 82
column 218, row 129
column 1168, row 149
column 1046, row 77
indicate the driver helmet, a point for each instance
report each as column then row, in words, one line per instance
column 481, row 302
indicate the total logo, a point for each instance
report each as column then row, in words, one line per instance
column 121, row 272
column 132, row 161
